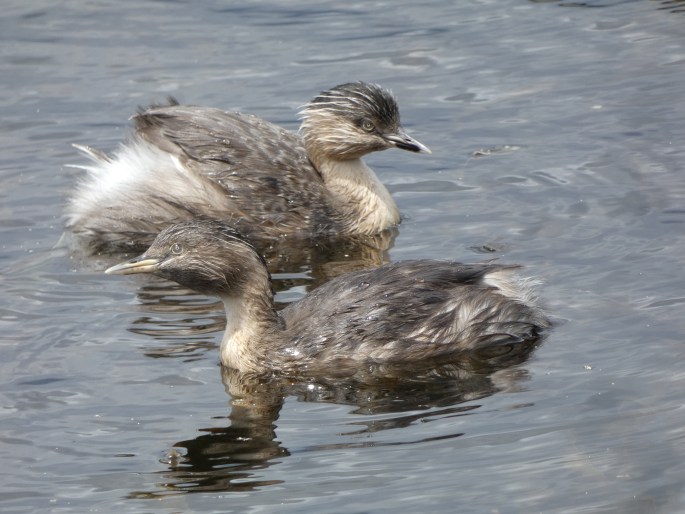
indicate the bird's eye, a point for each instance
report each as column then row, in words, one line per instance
column 176, row 249
column 367, row 125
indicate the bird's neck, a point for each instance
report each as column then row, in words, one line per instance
column 365, row 203
column 252, row 326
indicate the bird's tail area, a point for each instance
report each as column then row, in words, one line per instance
column 507, row 344
column 513, row 285
column 97, row 156
column 509, row 332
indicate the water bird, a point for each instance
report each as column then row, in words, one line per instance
column 397, row 313
column 185, row 162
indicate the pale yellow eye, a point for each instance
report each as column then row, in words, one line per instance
column 367, row 125
column 176, row 249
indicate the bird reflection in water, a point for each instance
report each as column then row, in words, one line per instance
column 234, row 456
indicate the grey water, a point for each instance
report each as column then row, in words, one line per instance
column 558, row 138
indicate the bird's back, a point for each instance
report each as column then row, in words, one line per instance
column 263, row 168
column 186, row 162
column 223, row 145
column 414, row 310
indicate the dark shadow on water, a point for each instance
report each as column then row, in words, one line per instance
column 674, row 6
column 233, row 456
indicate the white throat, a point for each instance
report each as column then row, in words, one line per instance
column 363, row 199
column 238, row 346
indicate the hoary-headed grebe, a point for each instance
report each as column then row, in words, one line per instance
column 184, row 162
column 400, row 312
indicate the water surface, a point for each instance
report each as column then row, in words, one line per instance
column 557, row 132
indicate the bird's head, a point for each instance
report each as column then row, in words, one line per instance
column 352, row 120
column 205, row 255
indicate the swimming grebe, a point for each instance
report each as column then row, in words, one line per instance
column 399, row 312
column 185, row 162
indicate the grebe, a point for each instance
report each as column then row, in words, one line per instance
column 186, row 162
column 398, row 312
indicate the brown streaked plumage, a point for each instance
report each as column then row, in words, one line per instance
column 401, row 312
column 185, row 162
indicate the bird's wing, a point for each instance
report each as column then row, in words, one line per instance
column 264, row 168
column 389, row 310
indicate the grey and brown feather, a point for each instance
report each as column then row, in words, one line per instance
column 400, row 312
column 184, row 162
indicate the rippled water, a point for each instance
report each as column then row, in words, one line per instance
column 558, row 136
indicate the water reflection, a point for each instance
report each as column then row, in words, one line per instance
column 327, row 258
column 233, row 457
column 674, row 6
column 322, row 258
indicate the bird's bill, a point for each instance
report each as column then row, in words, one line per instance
column 405, row 142
column 138, row 265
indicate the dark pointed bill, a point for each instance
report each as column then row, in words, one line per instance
column 137, row 265
column 406, row 142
